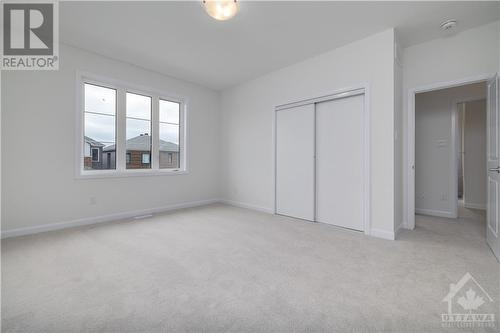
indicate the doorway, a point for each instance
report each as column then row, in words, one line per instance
column 450, row 140
column 438, row 143
column 411, row 147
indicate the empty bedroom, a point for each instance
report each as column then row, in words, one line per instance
column 250, row 166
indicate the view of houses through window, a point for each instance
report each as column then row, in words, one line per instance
column 138, row 131
column 100, row 114
column 100, row 126
column 169, row 134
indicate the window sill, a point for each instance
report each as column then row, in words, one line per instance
column 97, row 174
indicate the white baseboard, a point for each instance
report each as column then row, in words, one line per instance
column 130, row 214
column 432, row 212
column 384, row 234
column 400, row 227
column 374, row 232
column 405, row 225
column 100, row 219
column 247, row 206
column 471, row 205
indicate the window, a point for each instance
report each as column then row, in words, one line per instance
column 128, row 131
column 169, row 133
column 95, row 154
column 99, row 123
column 145, row 158
column 138, row 128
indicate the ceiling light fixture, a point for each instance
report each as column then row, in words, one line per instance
column 221, row 9
column 448, row 25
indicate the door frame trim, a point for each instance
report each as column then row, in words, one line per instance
column 362, row 89
column 410, row 137
column 330, row 97
column 488, row 106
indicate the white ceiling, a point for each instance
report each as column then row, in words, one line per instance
column 178, row 39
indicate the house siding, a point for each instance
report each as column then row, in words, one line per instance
column 87, row 162
column 164, row 160
column 136, row 159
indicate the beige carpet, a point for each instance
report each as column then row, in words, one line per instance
column 224, row 269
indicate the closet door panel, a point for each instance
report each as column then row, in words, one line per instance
column 295, row 162
column 339, row 162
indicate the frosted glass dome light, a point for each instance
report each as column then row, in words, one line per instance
column 221, row 9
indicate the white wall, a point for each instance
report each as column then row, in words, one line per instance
column 1, row 104
column 469, row 54
column 247, row 166
column 398, row 139
column 434, row 150
column 475, row 155
column 38, row 110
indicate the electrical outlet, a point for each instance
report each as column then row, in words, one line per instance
column 92, row 200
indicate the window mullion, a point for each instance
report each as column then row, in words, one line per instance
column 155, row 131
column 121, row 124
column 182, row 137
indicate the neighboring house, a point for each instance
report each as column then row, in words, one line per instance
column 93, row 154
column 139, row 154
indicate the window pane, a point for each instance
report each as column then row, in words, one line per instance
column 99, row 128
column 169, row 133
column 137, row 128
column 100, row 99
column 138, row 106
column 138, row 132
column 169, row 146
column 169, row 112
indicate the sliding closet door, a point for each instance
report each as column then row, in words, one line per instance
column 339, row 162
column 295, row 162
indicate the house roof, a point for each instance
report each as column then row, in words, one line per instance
column 143, row 143
column 93, row 142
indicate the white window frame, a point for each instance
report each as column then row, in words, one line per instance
column 121, row 89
